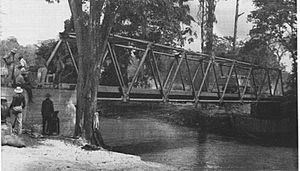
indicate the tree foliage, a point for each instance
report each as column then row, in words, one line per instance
column 275, row 23
column 156, row 20
column 28, row 52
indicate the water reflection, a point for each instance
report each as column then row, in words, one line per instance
column 189, row 149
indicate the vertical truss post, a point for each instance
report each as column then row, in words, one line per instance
column 174, row 77
column 196, row 72
column 189, row 72
column 202, row 71
column 72, row 57
column 138, row 69
column 247, row 81
column 254, row 84
column 202, row 83
column 216, row 79
column 281, row 82
column 152, row 71
column 169, row 74
column 277, row 80
column 104, row 58
column 181, row 78
column 237, row 82
column 227, row 81
column 117, row 69
column 262, row 84
column 221, row 69
column 159, row 77
column 269, row 82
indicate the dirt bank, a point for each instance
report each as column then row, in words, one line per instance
column 61, row 154
column 210, row 117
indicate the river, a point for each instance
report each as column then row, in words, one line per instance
column 190, row 149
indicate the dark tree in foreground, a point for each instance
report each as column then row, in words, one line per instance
column 93, row 22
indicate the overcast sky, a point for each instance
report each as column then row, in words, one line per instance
column 31, row 21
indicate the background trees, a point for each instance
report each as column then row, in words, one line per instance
column 28, row 51
column 275, row 24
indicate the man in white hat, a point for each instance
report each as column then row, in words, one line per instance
column 17, row 106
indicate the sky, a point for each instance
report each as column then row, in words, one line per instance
column 225, row 12
column 31, row 21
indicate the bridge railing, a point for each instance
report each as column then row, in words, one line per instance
column 177, row 74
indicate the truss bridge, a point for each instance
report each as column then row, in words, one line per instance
column 138, row 70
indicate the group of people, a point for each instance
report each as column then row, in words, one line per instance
column 50, row 119
column 18, row 75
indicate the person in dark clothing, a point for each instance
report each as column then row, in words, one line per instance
column 17, row 105
column 4, row 110
column 22, row 81
column 47, row 112
column 54, row 124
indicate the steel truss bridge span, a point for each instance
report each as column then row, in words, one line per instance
column 179, row 75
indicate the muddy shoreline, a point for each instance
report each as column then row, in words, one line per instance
column 207, row 118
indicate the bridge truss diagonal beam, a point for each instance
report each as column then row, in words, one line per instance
column 192, row 69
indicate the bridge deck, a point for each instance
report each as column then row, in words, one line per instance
column 141, row 94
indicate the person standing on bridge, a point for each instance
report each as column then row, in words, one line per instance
column 23, row 63
column 42, row 71
column 9, row 60
column 47, row 112
column 59, row 66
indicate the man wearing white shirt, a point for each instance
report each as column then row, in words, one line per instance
column 23, row 62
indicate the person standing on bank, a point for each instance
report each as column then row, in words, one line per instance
column 17, row 105
column 47, row 112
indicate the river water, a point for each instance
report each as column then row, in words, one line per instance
column 190, row 149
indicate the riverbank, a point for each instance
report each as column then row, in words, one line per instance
column 210, row 118
column 232, row 120
column 57, row 153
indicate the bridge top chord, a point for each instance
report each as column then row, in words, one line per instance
column 176, row 74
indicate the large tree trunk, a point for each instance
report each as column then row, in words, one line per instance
column 210, row 26
column 91, row 42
